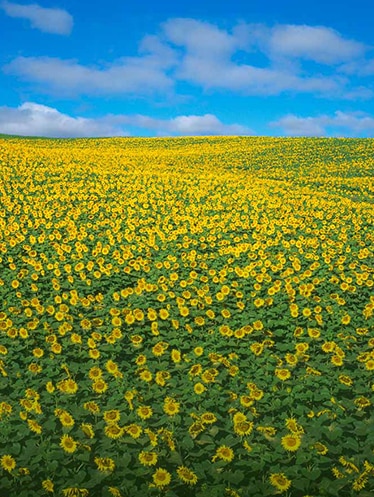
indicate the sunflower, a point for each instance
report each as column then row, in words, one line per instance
column 113, row 431
column 68, row 444
column 196, row 428
column 362, row 402
column 186, row 475
column 176, row 356
column 199, row 388
column 369, row 365
column 208, row 418
column 346, row 380
column 257, row 348
column 48, row 485
column 144, row 412
column 161, row 477
column 152, row 437
column 293, row 426
column 112, row 367
column 146, row 375
column 114, row 491
column 171, row 406
column 328, row 347
column 148, row 458
column 141, row 360
column 164, row 314
column 95, row 373
column 291, row 442
column 104, row 464
column 99, row 386
column 92, row 406
column 243, row 428
column 8, row 463
column 38, row 352
column 87, row 430
column 66, row 419
column 336, row 360
column 280, row 481
column 133, row 430
column 158, row 349
column 224, row 453
column 320, row 448
column 94, row 353
column 282, row 374
column 34, row 426
column 112, row 416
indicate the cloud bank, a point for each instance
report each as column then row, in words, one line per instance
column 49, row 20
column 32, row 119
column 341, row 123
column 294, row 58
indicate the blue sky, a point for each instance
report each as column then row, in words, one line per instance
column 147, row 68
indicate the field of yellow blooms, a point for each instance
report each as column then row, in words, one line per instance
column 186, row 317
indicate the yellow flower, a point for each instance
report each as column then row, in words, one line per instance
column 66, row 419
column 208, row 418
column 112, row 416
column 164, row 314
column 68, row 444
column 291, row 442
column 224, row 453
column 144, row 412
column 48, row 485
column 91, row 406
column 8, row 463
column 320, row 448
column 148, row 458
column 293, row 426
column 87, row 429
column 283, row 374
column 161, row 478
column 99, row 386
column 146, row 375
column 115, row 492
column 186, row 475
column 199, row 388
column 369, row 365
column 34, row 426
column 113, row 431
column 336, row 360
column 104, row 464
column 175, row 356
column 133, row 430
column 243, row 428
column 171, row 406
column 280, row 481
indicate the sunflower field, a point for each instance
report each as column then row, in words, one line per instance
column 188, row 317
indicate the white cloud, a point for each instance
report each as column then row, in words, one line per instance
column 318, row 43
column 32, row 119
column 341, row 123
column 48, row 20
column 136, row 75
column 208, row 57
column 190, row 125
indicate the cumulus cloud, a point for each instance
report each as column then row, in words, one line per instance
column 341, row 123
column 208, row 57
column 32, row 119
column 48, row 20
column 137, row 75
column 190, row 125
column 318, row 43
column 211, row 58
